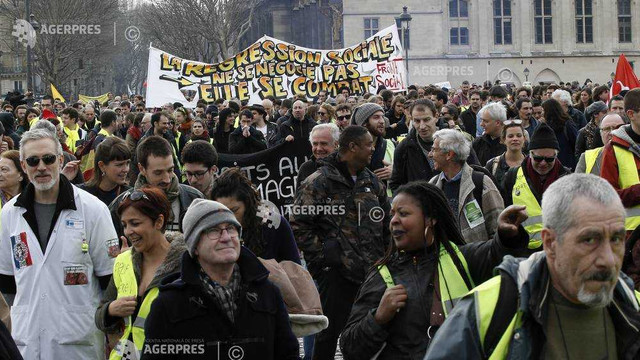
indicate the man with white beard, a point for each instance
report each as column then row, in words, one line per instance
column 57, row 247
column 569, row 301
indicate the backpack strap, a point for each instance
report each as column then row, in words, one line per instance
column 506, row 309
column 478, row 186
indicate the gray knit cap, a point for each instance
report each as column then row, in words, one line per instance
column 203, row 215
column 596, row 107
column 363, row 112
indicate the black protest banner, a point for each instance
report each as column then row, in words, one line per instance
column 273, row 171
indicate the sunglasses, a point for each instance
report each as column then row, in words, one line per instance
column 549, row 160
column 344, row 117
column 515, row 121
column 137, row 195
column 48, row 159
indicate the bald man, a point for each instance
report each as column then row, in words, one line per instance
column 591, row 160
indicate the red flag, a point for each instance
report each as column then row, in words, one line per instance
column 625, row 78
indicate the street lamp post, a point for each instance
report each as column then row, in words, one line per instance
column 526, row 74
column 36, row 26
column 404, row 19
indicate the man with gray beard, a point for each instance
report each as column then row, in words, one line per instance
column 569, row 301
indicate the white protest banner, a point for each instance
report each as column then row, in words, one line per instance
column 270, row 67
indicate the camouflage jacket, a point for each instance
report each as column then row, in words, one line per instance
column 339, row 224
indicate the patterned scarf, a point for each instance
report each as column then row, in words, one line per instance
column 172, row 193
column 224, row 296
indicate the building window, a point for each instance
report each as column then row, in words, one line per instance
column 502, row 21
column 624, row 21
column 544, row 33
column 458, row 8
column 458, row 33
column 406, row 43
column 459, row 36
column 584, row 21
column 370, row 27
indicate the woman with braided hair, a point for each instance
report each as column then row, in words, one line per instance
column 233, row 189
column 426, row 269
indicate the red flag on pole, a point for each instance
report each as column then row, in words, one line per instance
column 625, row 79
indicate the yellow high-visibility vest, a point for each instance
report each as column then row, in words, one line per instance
column 452, row 285
column 590, row 157
column 522, row 195
column 125, row 281
column 72, row 137
column 486, row 298
column 627, row 177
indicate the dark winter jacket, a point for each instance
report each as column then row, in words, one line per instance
column 468, row 118
column 171, row 264
column 487, row 148
column 406, row 335
column 183, row 310
column 307, row 168
column 510, row 180
column 346, row 237
column 280, row 243
column 221, row 140
column 238, row 144
column 578, row 117
column 292, row 126
column 588, row 138
column 272, row 133
column 410, row 164
column 531, row 278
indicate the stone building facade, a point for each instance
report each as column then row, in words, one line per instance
column 478, row 40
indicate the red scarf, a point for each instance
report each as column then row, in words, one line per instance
column 539, row 185
column 135, row 133
column 185, row 127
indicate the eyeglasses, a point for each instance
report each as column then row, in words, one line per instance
column 515, row 121
column 48, row 159
column 610, row 128
column 322, row 113
column 196, row 174
column 216, row 233
column 549, row 160
column 137, row 195
column 344, row 117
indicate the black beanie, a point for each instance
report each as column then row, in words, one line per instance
column 543, row 138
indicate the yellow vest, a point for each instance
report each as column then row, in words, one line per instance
column 590, row 157
column 452, row 285
column 627, row 177
column 486, row 298
column 72, row 138
column 104, row 132
column 125, row 281
column 522, row 195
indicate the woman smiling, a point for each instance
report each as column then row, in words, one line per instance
column 427, row 268
column 111, row 167
column 139, row 269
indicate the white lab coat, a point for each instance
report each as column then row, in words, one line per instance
column 51, row 320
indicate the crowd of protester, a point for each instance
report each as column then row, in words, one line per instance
column 157, row 244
